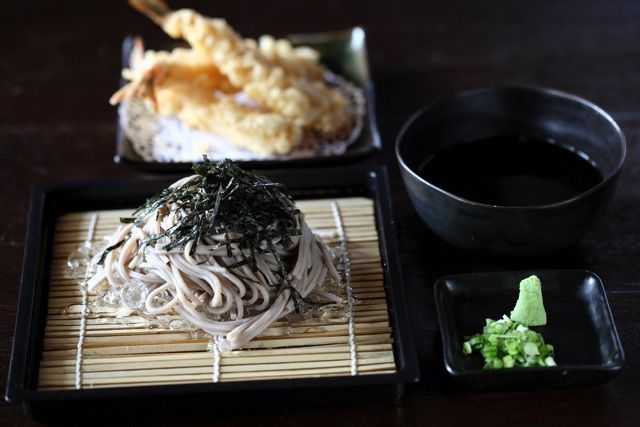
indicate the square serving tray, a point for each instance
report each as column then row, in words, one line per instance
column 343, row 52
column 50, row 202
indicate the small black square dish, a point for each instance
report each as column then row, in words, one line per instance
column 579, row 326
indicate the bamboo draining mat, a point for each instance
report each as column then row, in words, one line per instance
column 119, row 352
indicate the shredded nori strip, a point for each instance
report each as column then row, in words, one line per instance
column 223, row 199
column 109, row 249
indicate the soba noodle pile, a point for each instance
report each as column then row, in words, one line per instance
column 225, row 249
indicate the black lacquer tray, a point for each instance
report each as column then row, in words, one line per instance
column 51, row 201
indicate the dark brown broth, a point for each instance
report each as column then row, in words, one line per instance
column 511, row 171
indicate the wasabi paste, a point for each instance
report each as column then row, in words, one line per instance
column 529, row 309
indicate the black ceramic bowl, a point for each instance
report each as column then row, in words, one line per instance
column 492, row 112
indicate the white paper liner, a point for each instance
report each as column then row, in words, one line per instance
column 164, row 139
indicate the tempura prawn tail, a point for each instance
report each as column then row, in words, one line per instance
column 157, row 10
column 138, row 80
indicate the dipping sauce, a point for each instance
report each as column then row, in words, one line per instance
column 511, row 170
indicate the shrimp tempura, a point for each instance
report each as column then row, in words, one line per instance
column 289, row 99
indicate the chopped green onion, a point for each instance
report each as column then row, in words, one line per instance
column 506, row 344
column 530, row 349
column 507, row 361
column 466, row 348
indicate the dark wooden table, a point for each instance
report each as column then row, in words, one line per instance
column 60, row 63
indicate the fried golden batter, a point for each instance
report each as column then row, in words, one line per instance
column 185, row 84
column 288, row 98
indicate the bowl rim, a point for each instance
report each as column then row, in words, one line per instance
column 520, row 88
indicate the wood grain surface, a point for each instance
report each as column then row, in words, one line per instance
column 60, row 62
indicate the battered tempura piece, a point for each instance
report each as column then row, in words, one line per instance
column 184, row 83
column 160, row 75
column 286, row 100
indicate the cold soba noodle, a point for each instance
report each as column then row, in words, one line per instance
column 225, row 249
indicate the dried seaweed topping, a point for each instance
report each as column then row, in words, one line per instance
column 223, row 199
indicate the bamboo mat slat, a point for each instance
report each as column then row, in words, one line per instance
column 123, row 350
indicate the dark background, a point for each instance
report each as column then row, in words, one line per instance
column 60, row 62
